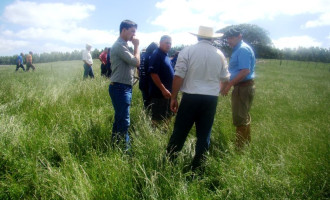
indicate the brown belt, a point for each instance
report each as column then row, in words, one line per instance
column 245, row 83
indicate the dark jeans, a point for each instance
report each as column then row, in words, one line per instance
column 146, row 98
column 121, row 96
column 106, row 70
column 20, row 65
column 198, row 109
column 88, row 71
column 160, row 109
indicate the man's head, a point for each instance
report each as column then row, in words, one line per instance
column 165, row 43
column 31, row 53
column 105, row 49
column 233, row 36
column 127, row 30
column 88, row 47
column 22, row 54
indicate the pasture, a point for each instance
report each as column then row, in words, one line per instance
column 55, row 132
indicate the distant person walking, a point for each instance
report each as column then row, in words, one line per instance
column 160, row 87
column 241, row 68
column 88, row 62
column 103, row 59
column 19, row 62
column 200, row 71
column 29, row 62
column 144, row 74
column 123, row 65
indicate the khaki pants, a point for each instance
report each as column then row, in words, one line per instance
column 241, row 101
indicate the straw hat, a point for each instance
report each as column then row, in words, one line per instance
column 207, row 32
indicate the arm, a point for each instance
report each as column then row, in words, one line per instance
column 159, row 84
column 176, row 85
column 242, row 74
column 136, row 53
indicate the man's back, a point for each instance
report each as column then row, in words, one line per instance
column 29, row 58
column 203, row 67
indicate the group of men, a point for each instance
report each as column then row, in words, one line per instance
column 19, row 62
column 201, row 73
column 88, row 62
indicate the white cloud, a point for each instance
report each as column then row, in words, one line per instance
column 57, row 15
column 73, row 36
column 296, row 41
column 183, row 14
column 11, row 45
column 323, row 20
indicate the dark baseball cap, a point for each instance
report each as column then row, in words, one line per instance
column 233, row 32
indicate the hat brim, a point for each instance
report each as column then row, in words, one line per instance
column 216, row 35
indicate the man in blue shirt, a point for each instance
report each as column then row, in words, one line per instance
column 241, row 68
column 19, row 62
column 161, row 72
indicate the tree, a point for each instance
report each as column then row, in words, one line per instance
column 253, row 35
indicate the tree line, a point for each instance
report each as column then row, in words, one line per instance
column 254, row 35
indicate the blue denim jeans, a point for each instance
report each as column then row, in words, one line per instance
column 121, row 96
column 88, row 71
column 194, row 109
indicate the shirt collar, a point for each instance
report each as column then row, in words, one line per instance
column 122, row 41
column 238, row 45
column 205, row 41
column 161, row 51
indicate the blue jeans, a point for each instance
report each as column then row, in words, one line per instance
column 88, row 71
column 198, row 109
column 121, row 96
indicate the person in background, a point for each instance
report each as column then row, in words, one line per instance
column 241, row 68
column 201, row 70
column 19, row 62
column 103, row 59
column 88, row 62
column 160, row 87
column 108, row 74
column 174, row 59
column 123, row 65
column 144, row 75
column 29, row 62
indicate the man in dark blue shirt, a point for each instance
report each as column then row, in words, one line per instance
column 144, row 75
column 161, row 72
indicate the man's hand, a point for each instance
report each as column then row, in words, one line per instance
column 166, row 93
column 225, row 91
column 135, row 42
column 174, row 105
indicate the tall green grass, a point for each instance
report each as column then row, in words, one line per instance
column 55, row 133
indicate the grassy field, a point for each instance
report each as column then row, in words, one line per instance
column 55, row 134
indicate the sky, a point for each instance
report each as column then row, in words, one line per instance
column 67, row 25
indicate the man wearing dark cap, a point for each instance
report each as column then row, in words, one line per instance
column 241, row 68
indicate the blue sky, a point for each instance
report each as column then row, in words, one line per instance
column 67, row 25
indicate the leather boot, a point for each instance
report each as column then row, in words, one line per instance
column 243, row 136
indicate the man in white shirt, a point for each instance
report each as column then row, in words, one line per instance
column 88, row 61
column 200, row 71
